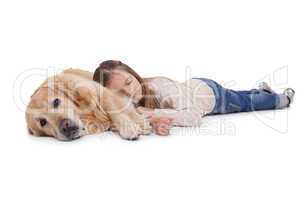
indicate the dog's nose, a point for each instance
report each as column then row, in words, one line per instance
column 69, row 128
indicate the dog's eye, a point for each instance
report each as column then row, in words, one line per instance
column 43, row 122
column 56, row 103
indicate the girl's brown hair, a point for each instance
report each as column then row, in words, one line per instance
column 103, row 73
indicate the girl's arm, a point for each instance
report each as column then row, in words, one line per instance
column 180, row 101
column 184, row 117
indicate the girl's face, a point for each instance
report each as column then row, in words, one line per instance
column 126, row 83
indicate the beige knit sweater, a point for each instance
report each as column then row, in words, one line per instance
column 186, row 102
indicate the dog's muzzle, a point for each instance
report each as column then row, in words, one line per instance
column 69, row 129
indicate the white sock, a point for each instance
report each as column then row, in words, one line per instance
column 283, row 101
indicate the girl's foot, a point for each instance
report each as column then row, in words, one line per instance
column 290, row 93
column 264, row 86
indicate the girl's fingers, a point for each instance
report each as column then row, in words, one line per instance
column 163, row 131
column 164, row 128
column 162, row 125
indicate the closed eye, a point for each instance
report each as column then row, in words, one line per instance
column 128, row 81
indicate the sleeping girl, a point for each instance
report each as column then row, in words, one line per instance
column 172, row 103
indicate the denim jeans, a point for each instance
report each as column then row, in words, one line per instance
column 230, row 101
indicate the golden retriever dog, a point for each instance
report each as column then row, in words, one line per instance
column 70, row 105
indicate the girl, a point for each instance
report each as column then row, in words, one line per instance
column 168, row 102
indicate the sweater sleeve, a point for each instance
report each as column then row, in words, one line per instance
column 178, row 101
column 184, row 117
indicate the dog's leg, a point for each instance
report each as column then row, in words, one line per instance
column 124, row 116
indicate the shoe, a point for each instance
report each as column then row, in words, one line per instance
column 290, row 93
column 264, row 86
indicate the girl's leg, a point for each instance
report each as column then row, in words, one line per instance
column 229, row 101
column 265, row 86
column 245, row 101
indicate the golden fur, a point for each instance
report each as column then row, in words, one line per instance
column 91, row 106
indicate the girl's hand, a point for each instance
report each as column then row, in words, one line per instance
column 161, row 125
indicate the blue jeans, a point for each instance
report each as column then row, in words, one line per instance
column 230, row 101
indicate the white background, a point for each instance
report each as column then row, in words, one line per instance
column 240, row 156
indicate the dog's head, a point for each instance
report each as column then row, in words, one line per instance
column 61, row 109
column 70, row 105
column 52, row 113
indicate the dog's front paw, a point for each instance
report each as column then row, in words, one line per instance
column 146, row 128
column 144, row 124
column 130, row 138
column 130, row 132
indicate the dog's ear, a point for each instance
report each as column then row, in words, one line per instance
column 78, row 72
column 89, row 102
column 124, row 116
column 30, row 131
column 35, row 133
